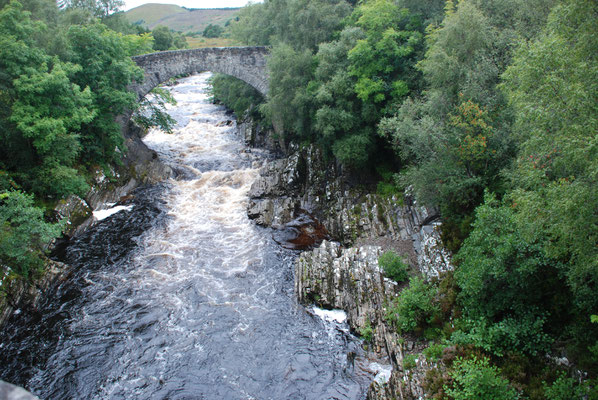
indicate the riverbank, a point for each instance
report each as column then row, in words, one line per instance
column 340, row 268
column 140, row 166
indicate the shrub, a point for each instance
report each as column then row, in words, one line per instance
column 414, row 307
column 23, row 233
column 564, row 388
column 409, row 361
column 367, row 332
column 475, row 379
column 393, row 266
column 434, row 351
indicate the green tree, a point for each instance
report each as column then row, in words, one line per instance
column 414, row 307
column 48, row 112
column 99, row 8
column 381, row 61
column 393, row 266
column 163, row 38
column 213, row 31
column 289, row 104
column 461, row 60
column 235, row 94
column 475, row 379
column 508, row 287
column 108, row 72
column 552, row 86
column 23, row 233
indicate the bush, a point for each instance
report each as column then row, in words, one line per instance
column 434, row 352
column 476, row 379
column 367, row 332
column 409, row 361
column 393, row 266
column 564, row 388
column 414, row 307
column 23, row 233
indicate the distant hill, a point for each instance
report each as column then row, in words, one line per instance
column 178, row 18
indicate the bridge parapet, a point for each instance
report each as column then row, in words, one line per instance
column 245, row 63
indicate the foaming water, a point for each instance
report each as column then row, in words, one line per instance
column 178, row 295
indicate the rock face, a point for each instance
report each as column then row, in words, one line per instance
column 350, row 279
column 345, row 274
column 20, row 294
column 303, row 182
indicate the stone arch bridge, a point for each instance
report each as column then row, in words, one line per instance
column 245, row 63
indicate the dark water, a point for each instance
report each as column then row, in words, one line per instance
column 178, row 295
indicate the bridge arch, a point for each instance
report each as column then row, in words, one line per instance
column 245, row 63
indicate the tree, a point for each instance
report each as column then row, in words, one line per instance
column 553, row 88
column 509, row 289
column 236, row 94
column 289, row 104
column 108, row 72
column 414, row 307
column 381, row 61
column 23, row 233
column 99, row 8
column 461, row 60
column 163, row 38
column 48, row 112
column 213, row 31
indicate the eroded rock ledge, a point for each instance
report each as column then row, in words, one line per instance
column 304, row 182
column 342, row 272
column 349, row 279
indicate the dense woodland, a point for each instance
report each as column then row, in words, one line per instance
column 488, row 110
column 485, row 109
column 64, row 73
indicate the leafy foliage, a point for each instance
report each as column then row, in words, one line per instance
column 63, row 80
column 236, row 94
column 393, row 266
column 476, row 379
column 506, row 283
column 565, row 388
column 212, row 31
column 166, row 39
column 23, row 233
column 108, row 72
column 152, row 110
column 414, row 307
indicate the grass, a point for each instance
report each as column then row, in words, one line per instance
column 178, row 18
column 199, row 42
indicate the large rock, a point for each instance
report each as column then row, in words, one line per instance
column 11, row 392
column 304, row 182
column 20, row 294
column 345, row 274
column 350, row 279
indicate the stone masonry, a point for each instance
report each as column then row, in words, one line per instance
column 245, row 63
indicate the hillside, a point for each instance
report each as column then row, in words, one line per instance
column 179, row 18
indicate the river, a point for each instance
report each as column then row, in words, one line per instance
column 176, row 294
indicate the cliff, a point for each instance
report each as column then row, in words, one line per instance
column 303, row 193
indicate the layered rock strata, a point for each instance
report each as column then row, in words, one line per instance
column 303, row 182
column 344, row 273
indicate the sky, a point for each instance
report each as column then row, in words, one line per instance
column 189, row 3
